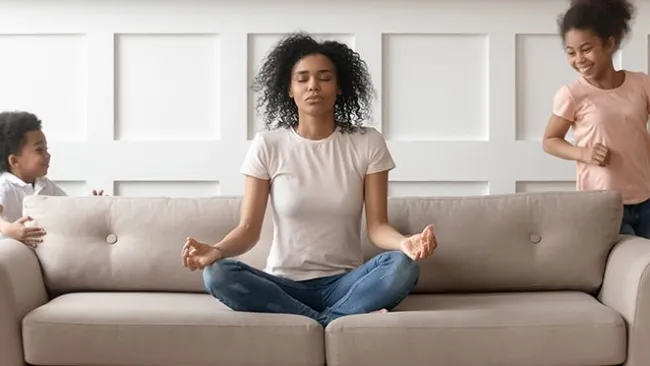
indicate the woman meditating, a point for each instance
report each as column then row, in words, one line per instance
column 319, row 165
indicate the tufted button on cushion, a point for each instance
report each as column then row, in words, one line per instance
column 535, row 238
column 111, row 239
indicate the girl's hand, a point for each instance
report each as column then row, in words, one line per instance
column 596, row 155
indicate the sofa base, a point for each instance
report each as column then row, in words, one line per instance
column 541, row 329
column 164, row 329
column 172, row 329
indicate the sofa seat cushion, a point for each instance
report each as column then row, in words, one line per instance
column 164, row 329
column 545, row 329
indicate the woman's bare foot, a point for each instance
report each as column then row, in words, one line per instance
column 379, row 311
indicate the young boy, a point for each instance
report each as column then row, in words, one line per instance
column 24, row 162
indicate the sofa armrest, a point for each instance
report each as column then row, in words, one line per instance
column 21, row 291
column 626, row 289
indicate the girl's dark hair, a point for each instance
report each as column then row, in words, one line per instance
column 606, row 18
column 353, row 105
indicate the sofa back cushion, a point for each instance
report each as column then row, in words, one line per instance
column 518, row 242
column 130, row 244
column 515, row 242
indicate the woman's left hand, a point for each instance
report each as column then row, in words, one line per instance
column 420, row 246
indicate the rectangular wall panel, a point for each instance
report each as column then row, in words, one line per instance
column 155, row 98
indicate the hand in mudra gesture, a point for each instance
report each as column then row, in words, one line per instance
column 420, row 246
column 197, row 255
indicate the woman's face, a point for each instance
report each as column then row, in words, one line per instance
column 314, row 86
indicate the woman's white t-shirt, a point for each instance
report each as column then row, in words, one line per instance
column 317, row 197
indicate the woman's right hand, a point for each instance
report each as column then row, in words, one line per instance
column 197, row 255
column 596, row 155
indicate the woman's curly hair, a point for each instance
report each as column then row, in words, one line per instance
column 353, row 105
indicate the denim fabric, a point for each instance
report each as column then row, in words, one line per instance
column 381, row 283
column 636, row 219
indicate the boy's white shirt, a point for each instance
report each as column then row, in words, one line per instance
column 13, row 190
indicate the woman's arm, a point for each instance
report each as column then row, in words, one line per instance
column 380, row 232
column 247, row 233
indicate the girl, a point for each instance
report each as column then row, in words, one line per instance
column 607, row 109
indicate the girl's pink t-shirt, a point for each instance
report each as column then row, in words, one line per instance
column 616, row 118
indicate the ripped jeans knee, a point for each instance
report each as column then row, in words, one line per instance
column 223, row 281
column 244, row 288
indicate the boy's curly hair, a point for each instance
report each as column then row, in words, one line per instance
column 13, row 128
column 353, row 105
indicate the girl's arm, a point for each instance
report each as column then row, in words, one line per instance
column 554, row 141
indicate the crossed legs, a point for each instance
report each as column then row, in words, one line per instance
column 381, row 283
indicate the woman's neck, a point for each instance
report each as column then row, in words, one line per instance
column 315, row 128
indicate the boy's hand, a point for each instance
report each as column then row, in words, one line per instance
column 29, row 235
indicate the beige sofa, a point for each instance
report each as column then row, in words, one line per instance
column 528, row 279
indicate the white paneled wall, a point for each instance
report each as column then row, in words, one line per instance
column 152, row 98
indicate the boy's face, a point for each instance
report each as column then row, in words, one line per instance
column 33, row 160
